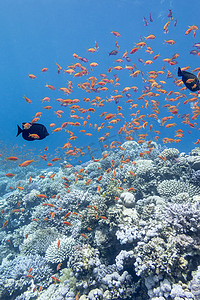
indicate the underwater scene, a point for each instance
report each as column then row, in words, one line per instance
column 100, row 150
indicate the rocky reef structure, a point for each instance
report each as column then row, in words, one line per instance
column 126, row 226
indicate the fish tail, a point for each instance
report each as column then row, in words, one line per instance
column 19, row 130
column 179, row 71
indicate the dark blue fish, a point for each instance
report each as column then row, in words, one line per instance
column 192, row 86
column 35, row 128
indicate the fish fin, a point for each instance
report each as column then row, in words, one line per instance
column 179, row 71
column 19, row 130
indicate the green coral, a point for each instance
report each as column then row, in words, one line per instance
column 67, row 275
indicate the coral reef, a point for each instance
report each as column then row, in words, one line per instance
column 14, row 274
column 128, row 227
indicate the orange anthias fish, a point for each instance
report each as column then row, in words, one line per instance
column 41, row 196
column 12, row 158
column 26, row 163
column 10, row 175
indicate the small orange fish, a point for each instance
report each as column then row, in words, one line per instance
column 30, row 276
column 95, row 207
column 132, row 173
column 27, row 100
column 51, row 87
column 41, row 196
column 34, row 136
column 55, row 159
column 98, row 189
column 67, row 215
column 20, row 188
column 117, row 34
column 83, row 235
column 58, row 266
column 10, row 175
column 26, row 163
column 75, row 213
column 197, row 142
column 77, row 296
column 67, row 223
column 50, row 204
column 55, row 279
column 15, row 210
column 52, row 215
column 5, row 223
column 52, row 175
column 99, row 179
column 12, row 158
column 88, row 182
column 103, row 217
column 170, row 42
column 31, row 76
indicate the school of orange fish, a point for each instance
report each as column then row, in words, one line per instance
column 136, row 113
column 142, row 109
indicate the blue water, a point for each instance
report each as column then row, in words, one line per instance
column 37, row 34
